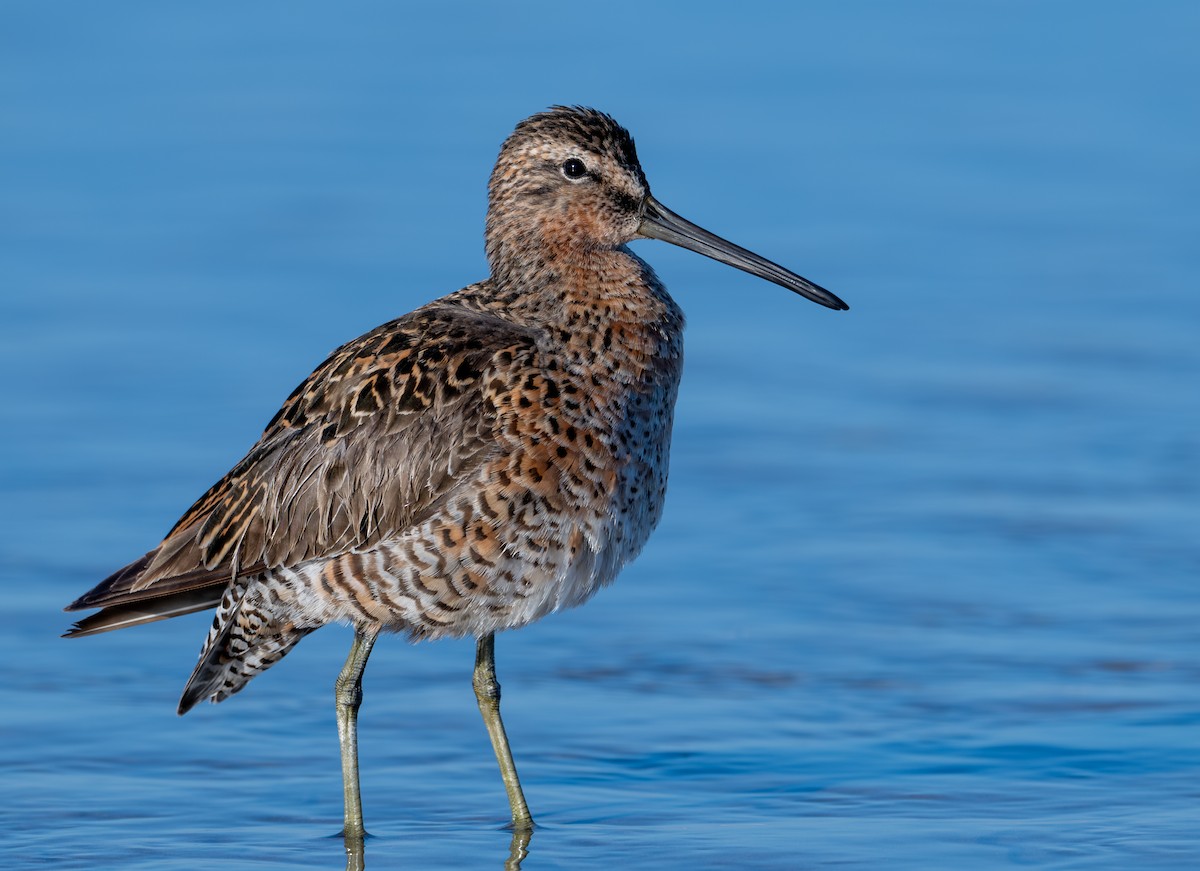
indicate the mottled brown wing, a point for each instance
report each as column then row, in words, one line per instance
column 368, row 445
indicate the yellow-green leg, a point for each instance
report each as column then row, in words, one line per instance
column 487, row 692
column 347, row 692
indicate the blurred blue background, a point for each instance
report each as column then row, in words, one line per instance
column 925, row 592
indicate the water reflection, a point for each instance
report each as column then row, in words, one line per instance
column 518, row 849
column 356, row 853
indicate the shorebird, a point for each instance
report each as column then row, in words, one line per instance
column 487, row 459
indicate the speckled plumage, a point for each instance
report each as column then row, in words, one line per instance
column 472, row 466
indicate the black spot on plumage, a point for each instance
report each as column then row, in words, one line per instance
column 366, row 402
column 343, row 367
column 403, row 367
column 466, row 371
column 407, row 400
column 396, row 342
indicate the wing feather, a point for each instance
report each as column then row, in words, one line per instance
column 368, row 445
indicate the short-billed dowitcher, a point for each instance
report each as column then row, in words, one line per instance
column 472, row 466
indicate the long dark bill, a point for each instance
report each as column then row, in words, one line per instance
column 659, row 222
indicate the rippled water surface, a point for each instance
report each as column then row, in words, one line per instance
column 925, row 594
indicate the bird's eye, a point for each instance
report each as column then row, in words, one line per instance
column 574, row 168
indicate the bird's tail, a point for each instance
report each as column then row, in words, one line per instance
column 140, row 593
column 146, row 611
column 246, row 638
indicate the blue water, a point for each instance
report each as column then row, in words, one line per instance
column 925, row 595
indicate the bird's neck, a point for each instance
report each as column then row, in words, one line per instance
column 607, row 299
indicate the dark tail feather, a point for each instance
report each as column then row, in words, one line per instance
column 114, row 586
column 169, row 569
column 138, row 594
column 147, row 611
